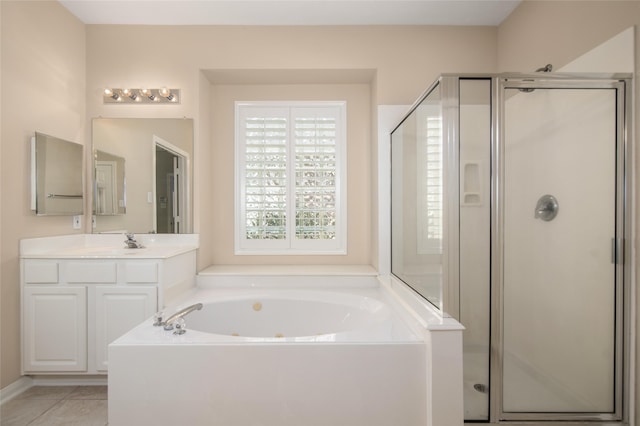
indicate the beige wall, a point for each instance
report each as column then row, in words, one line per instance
column 202, row 202
column 399, row 62
column 557, row 32
column 43, row 89
column 541, row 32
column 407, row 59
column 359, row 188
column 10, row 370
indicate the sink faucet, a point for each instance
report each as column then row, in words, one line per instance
column 168, row 323
column 131, row 241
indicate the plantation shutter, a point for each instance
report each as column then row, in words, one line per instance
column 264, row 173
column 315, row 141
column 289, row 178
column 430, row 184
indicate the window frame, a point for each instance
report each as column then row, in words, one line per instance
column 290, row 245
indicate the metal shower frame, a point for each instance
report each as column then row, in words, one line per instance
column 623, row 247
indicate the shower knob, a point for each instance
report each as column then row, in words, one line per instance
column 546, row 208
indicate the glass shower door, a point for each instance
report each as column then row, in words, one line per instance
column 561, row 213
column 474, row 124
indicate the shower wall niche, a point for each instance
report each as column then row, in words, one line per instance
column 510, row 212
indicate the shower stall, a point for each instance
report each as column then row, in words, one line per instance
column 511, row 211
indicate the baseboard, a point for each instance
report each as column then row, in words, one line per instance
column 16, row 388
column 25, row 382
column 44, row 380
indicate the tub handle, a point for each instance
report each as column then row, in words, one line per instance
column 180, row 327
column 157, row 319
column 168, row 324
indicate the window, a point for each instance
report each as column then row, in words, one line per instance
column 290, row 178
column 430, row 180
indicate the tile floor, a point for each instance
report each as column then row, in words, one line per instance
column 57, row 406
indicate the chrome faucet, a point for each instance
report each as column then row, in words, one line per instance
column 131, row 241
column 168, row 323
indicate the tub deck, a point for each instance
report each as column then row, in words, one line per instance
column 157, row 378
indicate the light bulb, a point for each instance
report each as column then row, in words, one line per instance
column 164, row 92
column 130, row 94
column 148, row 93
column 112, row 94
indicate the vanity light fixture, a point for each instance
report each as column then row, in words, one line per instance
column 162, row 95
column 114, row 96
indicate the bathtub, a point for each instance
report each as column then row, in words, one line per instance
column 294, row 316
column 275, row 356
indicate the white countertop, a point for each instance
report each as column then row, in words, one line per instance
column 107, row 246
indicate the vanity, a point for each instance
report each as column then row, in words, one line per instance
column 80, row 292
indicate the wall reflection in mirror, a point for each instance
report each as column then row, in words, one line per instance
column 56, row 176
column 142, row 178
column 109, row 184
column 417, row 199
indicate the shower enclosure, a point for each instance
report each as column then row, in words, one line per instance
column 511, row 212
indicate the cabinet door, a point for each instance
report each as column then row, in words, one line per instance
column 54, row 329
column 118, row 310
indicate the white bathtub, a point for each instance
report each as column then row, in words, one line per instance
column 274, row 356
column 294, row 316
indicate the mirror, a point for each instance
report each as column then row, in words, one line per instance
column 108, row 193
column 417, row 199
column 142, row 178
column 56, row 176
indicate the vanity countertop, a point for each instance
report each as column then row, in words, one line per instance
column 107, row 246
column 112, row 253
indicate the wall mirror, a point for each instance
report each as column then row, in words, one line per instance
column 142, row 177
column 109, row 184
column 56, row 176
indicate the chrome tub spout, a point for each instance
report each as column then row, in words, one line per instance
column 168, row 323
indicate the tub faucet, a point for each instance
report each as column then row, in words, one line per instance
column 131, row 241
column 168, row 323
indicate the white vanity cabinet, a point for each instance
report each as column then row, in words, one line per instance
column 117, row 310
column 72, row 308
column 54, row 328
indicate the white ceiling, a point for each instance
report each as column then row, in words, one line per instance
column 292, row 12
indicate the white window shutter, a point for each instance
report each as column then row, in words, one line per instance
column 290, row 178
